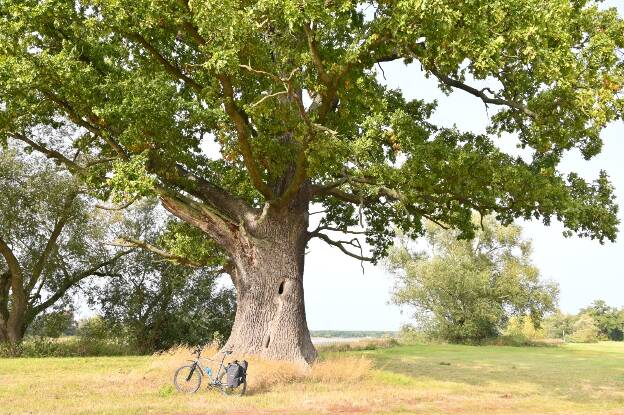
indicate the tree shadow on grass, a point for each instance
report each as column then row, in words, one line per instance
column 573, row 375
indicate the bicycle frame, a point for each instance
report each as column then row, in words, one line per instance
column 214, row 381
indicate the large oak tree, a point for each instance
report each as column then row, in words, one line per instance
column 127, row 94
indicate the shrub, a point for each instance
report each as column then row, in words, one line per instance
column 54, row 324
column 67, row 347
column 93, row 328
column 410, row 335
column 585, row 330
column 522, row 327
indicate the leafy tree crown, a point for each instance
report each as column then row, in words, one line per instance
column 127, row 94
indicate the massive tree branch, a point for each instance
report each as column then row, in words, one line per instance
column 244, row 130
column 222, row 231
column 330, row 81
column 224, row 202
column 316, row 56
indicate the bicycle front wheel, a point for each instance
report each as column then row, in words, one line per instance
column 187, row 379
column 226, row 390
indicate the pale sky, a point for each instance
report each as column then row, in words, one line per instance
column 339, row 297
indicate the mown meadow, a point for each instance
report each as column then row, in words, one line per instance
column 403, row 379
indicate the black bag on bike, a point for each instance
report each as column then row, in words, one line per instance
column 236, row 373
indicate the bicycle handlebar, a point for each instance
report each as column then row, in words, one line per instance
column 199, row 349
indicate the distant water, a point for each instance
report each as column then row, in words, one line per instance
column 325, row 340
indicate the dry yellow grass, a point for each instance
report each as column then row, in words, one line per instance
column 421, row 379
column 266, row 374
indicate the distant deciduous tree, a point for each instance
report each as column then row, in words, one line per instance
column 609, row 320
column 466, row 290
column 559, row 325
column 585, row 330
column 50, row 241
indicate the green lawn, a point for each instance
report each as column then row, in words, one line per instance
column 419, row 379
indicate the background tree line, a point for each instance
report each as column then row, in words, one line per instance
column 598, row 321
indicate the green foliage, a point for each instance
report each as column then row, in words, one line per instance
column 148, row 83
column 585, row 330
column 130, row 180
column 156, row 305
column 609, row 320
column 468, row 290
column 54, row 324
column 559, row 325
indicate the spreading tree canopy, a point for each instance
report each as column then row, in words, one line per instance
column 128, row 94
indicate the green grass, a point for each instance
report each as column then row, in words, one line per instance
column 415, row 379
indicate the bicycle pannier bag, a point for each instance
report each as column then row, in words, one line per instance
column 235, row 374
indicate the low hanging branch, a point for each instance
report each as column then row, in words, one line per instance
column 169, row 256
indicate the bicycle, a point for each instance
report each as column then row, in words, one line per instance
column 188, row 378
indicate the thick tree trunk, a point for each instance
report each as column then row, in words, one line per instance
column 4, row 337
column 268, row 274
column 15, row 329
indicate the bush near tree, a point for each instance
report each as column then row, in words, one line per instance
column 157, row 305
column 54, row 324
column 523, row 328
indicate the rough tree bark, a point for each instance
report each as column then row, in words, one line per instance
column 266, row 253
column 268, row 275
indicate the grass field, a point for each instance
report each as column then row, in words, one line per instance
column 418, row 379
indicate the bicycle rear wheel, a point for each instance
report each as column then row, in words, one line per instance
column 187, row 379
